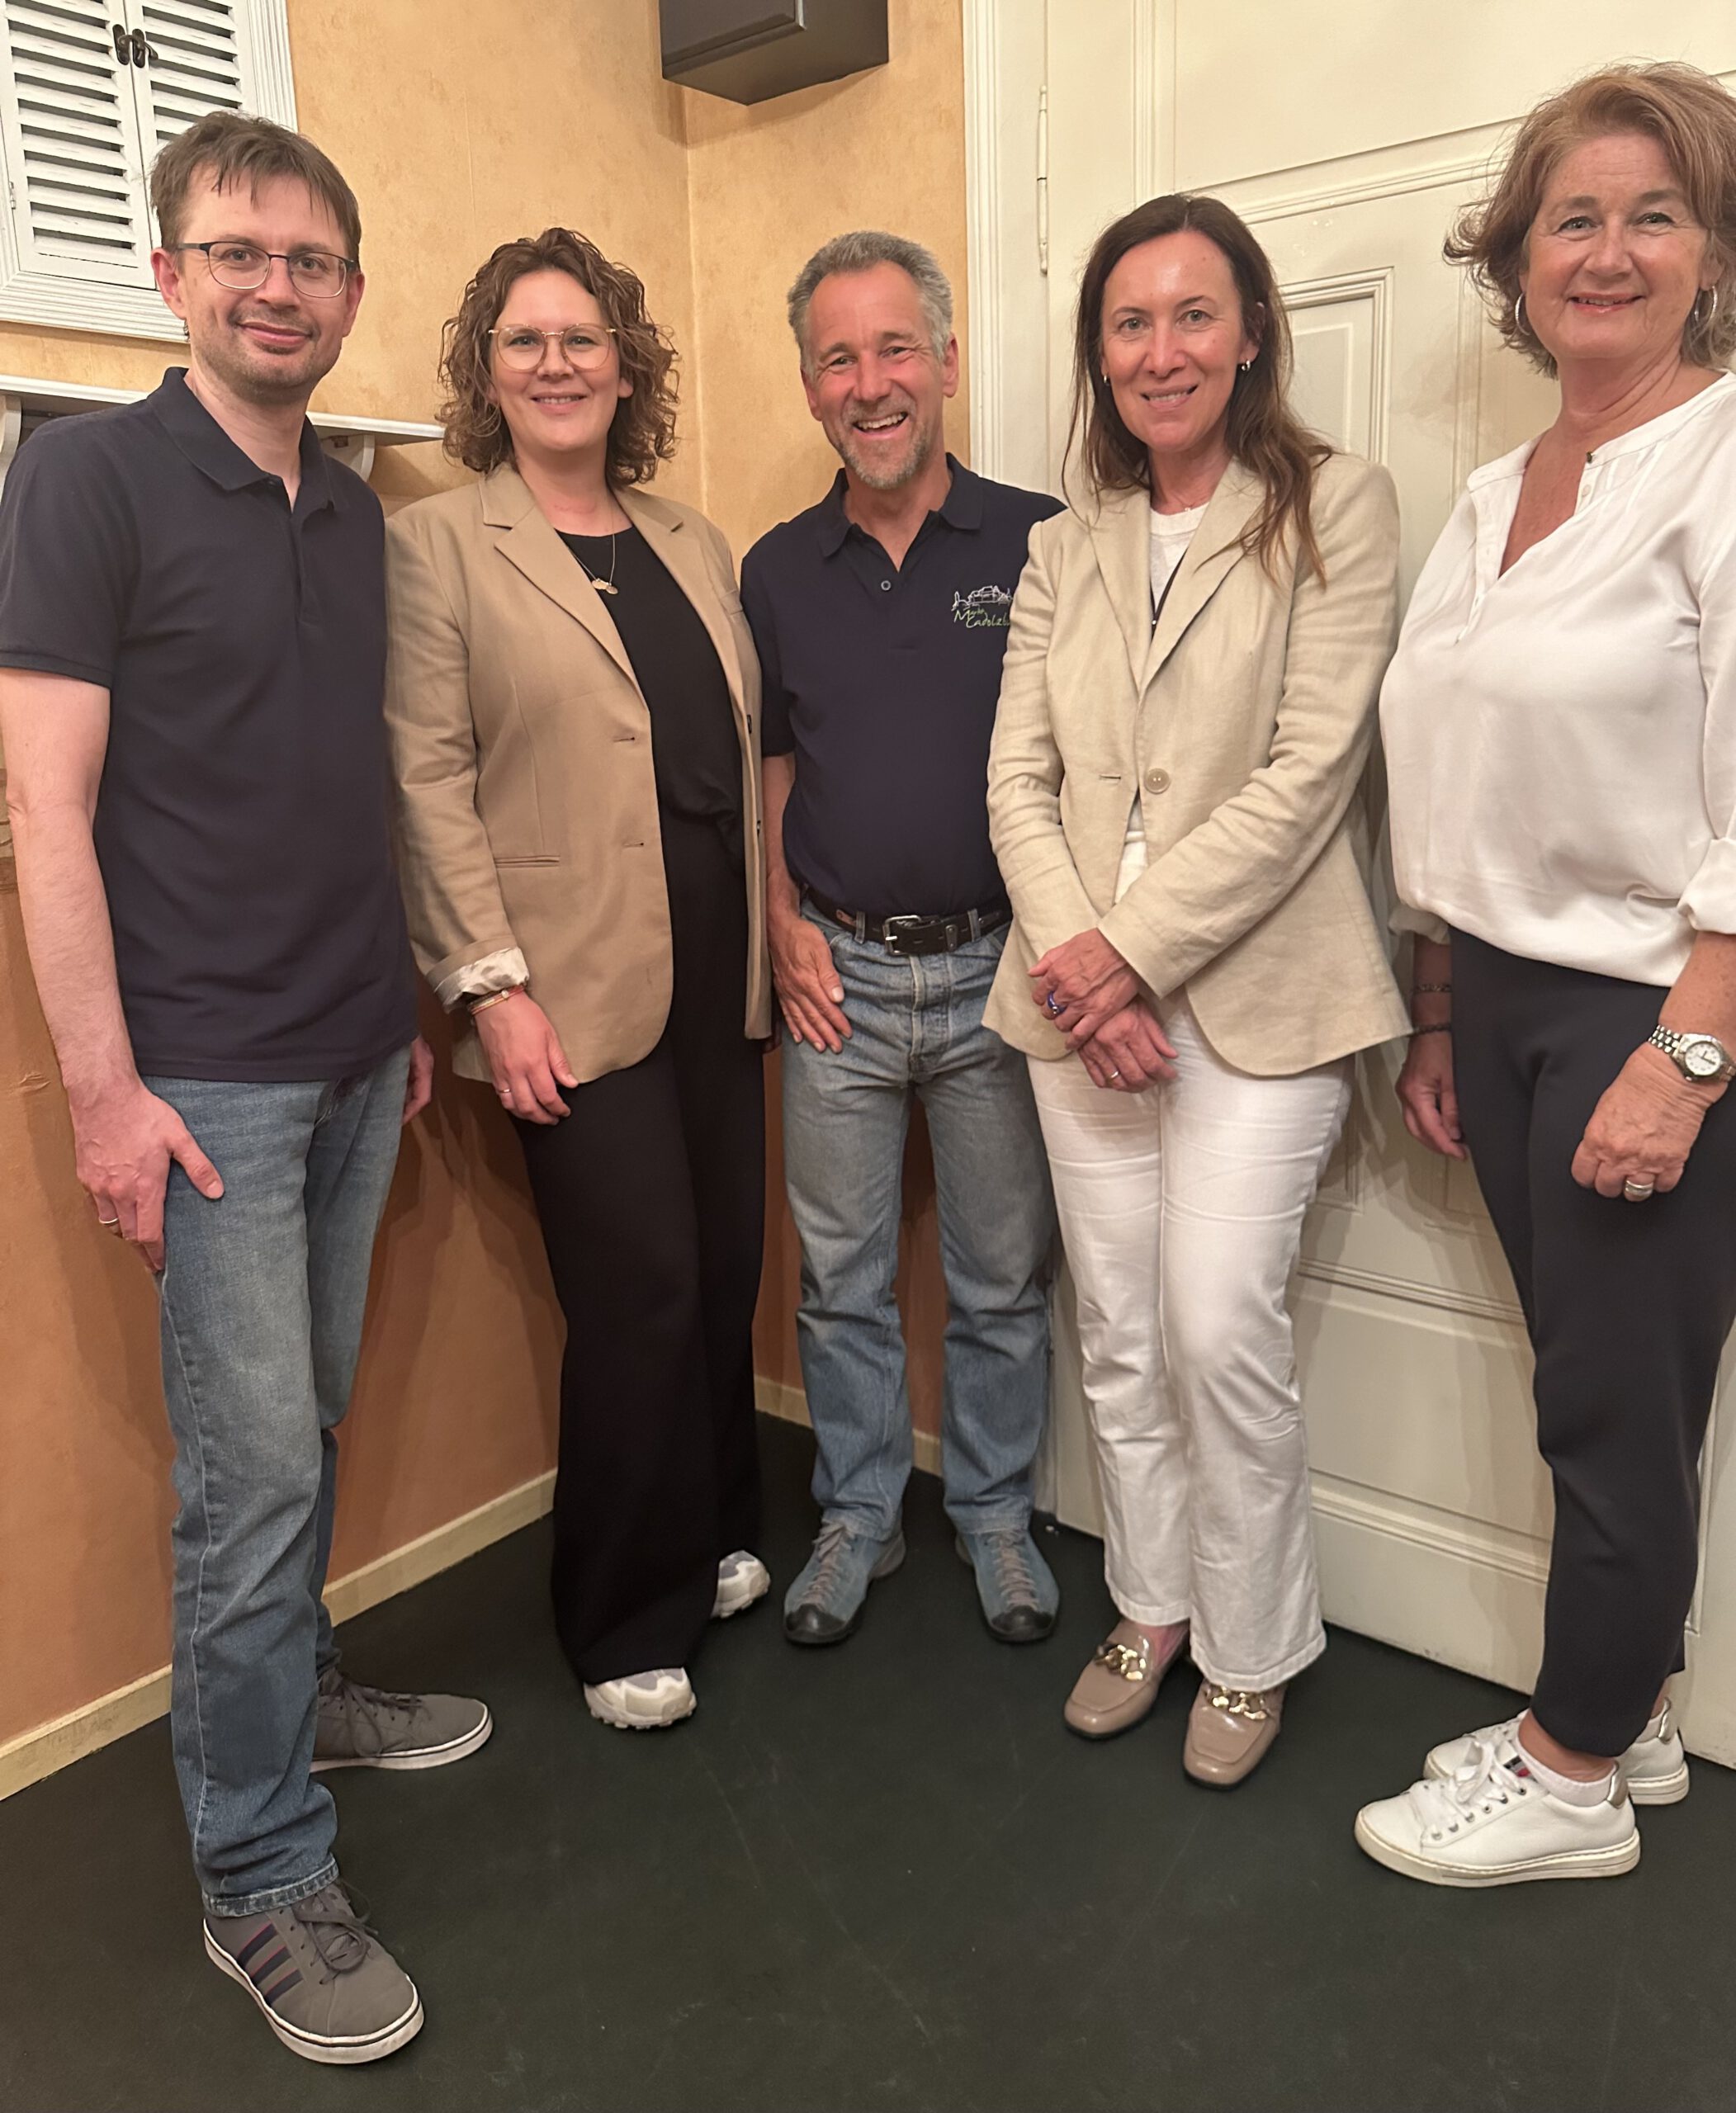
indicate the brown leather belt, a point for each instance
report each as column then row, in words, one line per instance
column 914, row 935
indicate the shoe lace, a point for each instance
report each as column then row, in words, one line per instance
column 336, row 1923
column 368, row 1707
column 1481, row 1784
column 830, row 1548
column 1015, row 1580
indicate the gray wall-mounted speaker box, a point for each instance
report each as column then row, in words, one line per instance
column 750, row 50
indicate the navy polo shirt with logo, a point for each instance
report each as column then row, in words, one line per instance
column 243, row 822
column 882, row 680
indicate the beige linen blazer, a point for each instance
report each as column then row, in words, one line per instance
column 1242, row 722
column 527, row 804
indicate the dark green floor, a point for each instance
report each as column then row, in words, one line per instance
column 882, row 1876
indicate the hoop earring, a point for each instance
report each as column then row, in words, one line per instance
column 1518, row 321
column 1699, row 321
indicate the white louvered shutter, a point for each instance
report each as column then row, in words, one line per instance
column 73, row 165
column 193, row 64
column 90, row 90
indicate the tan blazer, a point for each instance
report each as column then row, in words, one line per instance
column 1242, row 722
column 527, row 804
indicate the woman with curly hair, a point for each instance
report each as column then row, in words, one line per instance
column 1560, row 725
column 573, row 698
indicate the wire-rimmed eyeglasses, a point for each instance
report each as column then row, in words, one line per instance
column 243, row 267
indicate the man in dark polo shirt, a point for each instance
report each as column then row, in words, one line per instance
column 881, row 618
column 192, row 643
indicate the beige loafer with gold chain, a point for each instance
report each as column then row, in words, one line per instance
column 1120, row 1684
column 1230, row 1731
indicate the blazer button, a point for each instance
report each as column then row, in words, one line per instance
column 1157, row 781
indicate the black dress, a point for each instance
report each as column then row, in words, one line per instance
column 650, row 1194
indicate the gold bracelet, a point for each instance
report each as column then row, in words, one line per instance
column 498, row 998
column 1434, row 1026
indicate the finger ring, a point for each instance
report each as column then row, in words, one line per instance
column 1636, row 1192
column 1054, row 1009
column 1114, row 1075
column 108, row 1221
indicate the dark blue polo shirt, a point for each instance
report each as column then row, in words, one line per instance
column 882, row 682
column 243, row 821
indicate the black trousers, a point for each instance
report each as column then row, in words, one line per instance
column 1628, row 1305
column 651, row 1197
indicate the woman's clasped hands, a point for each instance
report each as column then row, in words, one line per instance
column 1087, row 991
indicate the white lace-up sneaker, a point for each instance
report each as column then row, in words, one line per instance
column 642, row 1702
column 742, row 1578
column 1655, row 1768
column 1492, row 1822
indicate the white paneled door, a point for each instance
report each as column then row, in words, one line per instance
column 1348, row 137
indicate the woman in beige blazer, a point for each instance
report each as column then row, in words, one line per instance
column 1185, row 711
column 573, row 698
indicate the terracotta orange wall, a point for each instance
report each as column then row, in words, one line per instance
column 716, row 208
column 768, row 185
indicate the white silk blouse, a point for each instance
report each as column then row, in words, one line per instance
column 1561, row 738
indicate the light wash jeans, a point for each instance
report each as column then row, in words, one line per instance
column 262, row 1299
column 918, row 1028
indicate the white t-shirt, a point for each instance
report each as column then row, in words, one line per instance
column 1561, row 738
column 1171, row 534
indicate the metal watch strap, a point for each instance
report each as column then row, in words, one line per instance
column 1673, row 1041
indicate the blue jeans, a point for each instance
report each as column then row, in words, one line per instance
column 917, row 1023
column 261, row 1298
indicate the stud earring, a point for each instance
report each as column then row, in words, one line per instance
column 1244, row 366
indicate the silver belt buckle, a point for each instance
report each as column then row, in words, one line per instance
column 893, row 928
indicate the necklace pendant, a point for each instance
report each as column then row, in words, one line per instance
column 605, row 587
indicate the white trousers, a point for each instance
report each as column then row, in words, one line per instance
column 1181, row 1211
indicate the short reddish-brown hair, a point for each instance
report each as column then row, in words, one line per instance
column 240, row 152
column 643, row 433
column 1693, row 119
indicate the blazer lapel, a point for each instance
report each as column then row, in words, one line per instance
column 676, row 545
column 525, row 539
column 1214, row 552
column 1121, row 542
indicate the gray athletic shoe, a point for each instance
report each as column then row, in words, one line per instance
column 329, row 1989
column 361, row 1727
column 825, row 1603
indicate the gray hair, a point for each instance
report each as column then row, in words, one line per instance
column 861, row 251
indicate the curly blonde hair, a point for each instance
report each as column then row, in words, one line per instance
column 1691, row 117
column 643, row 433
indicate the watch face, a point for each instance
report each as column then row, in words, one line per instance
column 1703, row 1059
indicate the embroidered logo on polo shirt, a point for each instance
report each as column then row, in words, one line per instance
column 983, row 608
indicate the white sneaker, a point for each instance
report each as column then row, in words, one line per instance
column 642, row 1702
column 1492, row 1822
column 1654, row 1768
column 741, row 1579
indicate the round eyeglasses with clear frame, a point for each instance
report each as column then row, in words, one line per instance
column 584, row 346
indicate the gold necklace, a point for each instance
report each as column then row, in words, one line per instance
column 603, row 586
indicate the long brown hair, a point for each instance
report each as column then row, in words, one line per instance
column 643, row 432
column 1693, row 118
column 1264, row 433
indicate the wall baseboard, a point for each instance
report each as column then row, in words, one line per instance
column 32, row 1755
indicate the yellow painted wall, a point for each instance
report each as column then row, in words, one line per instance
column 551, row 116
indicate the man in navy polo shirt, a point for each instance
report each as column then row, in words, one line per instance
column 192, row 647
column 881, row 618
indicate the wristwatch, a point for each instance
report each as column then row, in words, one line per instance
column 1701, row 1058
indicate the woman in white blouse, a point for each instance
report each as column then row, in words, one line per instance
column 1187, row 701
column 1560, row 727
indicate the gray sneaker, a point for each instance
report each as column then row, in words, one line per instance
column 1015, row 1587
column 825, row 1603
column 361, row 1727
column 329, row 1989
